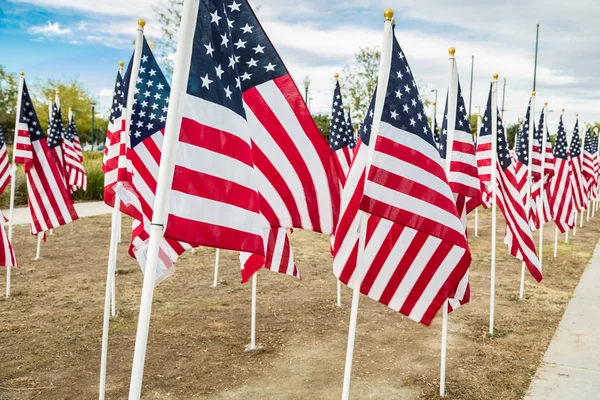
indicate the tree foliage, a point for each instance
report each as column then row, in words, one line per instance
column 323, row 123
column 8, row 99
column 72, row 94
column 169, row 17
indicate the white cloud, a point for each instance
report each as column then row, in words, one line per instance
column 107, row 92
column 50, row 29
column 142, row 8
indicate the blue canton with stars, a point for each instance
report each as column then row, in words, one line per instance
column 351, row 131
column 1, row 136
column 522, row 143
column 71, row 130
column 365, row 128
column 501, row 142
column 403, row 108
column 560, row 147
column 461, row 124
column 436, row 133
column 28, row 116
column 537, row 133
column 339, row 136
column 575, row 149
column 120, row 93
column 151, row 100
column 588, row 142
column 57, row 129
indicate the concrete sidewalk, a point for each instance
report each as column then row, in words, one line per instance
column 571, row 366
column 87, row 209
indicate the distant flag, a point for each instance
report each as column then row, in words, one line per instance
column 561, row 186
column 50, row 204
column 340, row 137
column 77, row 178
column 589, row 164
column 7, row 254
column 4, row 163
column 351, row 132
column 146, row 131
column 436, row 132
column 270, row 159
column 575, row 162
column 413, row 263
column 55, row 140
column 518, row 236
column 537, row 168
column 463, row 176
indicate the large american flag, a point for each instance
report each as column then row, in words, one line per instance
column 341, row 137
column 463, row 175
column 4, row 163
column 146, row 131
column 413, row 264
column 575, row 162
column 50, row 203
column 561, row 187
column 247, row 136
column 590, row 161
column 74, row 157
column 518, row 235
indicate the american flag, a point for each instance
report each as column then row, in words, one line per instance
column 341, row 137
column 537, row 167
column 73, row 158
column 575, row 162
column 72, row 130
column 50, row 203
column 463, row 175
column 4, row 163
column 436, row 132
column 589, row 164
column 351, row 133
column 405, row 267
column 146, row 131
column 278, row 256
column 561, row 188
column 518, row 236
column 55, row 139
column 7, row 254
column 116, row 166
column 247, row 135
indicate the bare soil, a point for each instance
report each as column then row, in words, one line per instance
column 51, row 326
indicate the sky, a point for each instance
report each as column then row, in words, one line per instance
column 86, row 39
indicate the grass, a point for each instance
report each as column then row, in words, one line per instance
column 92, row 162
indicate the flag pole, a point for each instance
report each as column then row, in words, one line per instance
column 555, row 241
column 529, row 181
column 252, row 346
column 116, row 212
column 216, row 276
column 165, row 178
column 13, row 176
column 477, row 140
column 493, row 182
column 120, row 219
column 542, row 182
column 382, row 82
column 582, row 183
column 450, row 128
column 40, row 236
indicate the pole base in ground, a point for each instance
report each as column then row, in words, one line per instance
column 215, row 285
column 37, row 258
column 256, row 347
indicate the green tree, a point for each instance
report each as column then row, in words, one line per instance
column 9, row 83
column 323, row 123
column 511, row 133
column 169, row 17
column 72, row 95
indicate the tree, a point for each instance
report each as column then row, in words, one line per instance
column 9, row 85
column 169, row 17
column 511, row 133
column 72, row 94
column 323, row 123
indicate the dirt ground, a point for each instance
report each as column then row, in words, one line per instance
column 51, row 326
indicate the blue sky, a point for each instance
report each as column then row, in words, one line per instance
column 86, row 39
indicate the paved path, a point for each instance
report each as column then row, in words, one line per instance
column 87, row 209
column 571, row 366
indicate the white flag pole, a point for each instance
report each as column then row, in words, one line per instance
column 450, row 128
column 493, row 182
column 339, row 293
column 581, row 157
column 477, row 209
column 13, row 176
column 216, row 276
column 120, row 219
column 542, row 183
column 575, row 225
column 165, row 178
column 555, row 241
column 382, row 83
column 38, row 248
column 119, row 228
column 110, row 279
column 529, row 181
column 252, row 346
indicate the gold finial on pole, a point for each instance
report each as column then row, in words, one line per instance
column 336, row 75
column 70, row 108
column 141, row 23
column 451, row 51
column 546, row 103
column 496, row 76
column 22, row 73
column 121, row 63
column 57, row 92
column 563, row 110
column 576, row 115
column 433, row 104
column 533, row 94
column 388, row 14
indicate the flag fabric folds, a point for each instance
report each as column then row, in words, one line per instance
column 590, row 161
column 341, row 136
column 74, row 157
column 576, row 164
column 50, row 203
column 414, row 262
column 278, row 256
column 519, row 237
column 4, row 163
column 540, row 179
column 7, row 253
column 561, row 187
